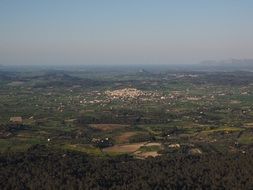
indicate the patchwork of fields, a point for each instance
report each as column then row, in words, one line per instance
column 141, row 114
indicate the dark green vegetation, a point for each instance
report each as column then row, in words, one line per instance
column 42, row 168
column 188, row 118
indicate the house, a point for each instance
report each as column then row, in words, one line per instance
column 16, row 120
column 174, row 146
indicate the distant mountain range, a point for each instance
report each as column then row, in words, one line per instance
column 231, row 64
column 147, row 70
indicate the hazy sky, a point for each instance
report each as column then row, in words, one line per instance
column 124, row 31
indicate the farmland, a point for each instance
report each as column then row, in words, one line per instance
column 112, row 113
column 127, row 129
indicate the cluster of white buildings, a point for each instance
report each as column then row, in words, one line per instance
column 125, row 93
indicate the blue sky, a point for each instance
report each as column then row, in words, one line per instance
column 124, row 31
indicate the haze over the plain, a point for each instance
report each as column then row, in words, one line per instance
column 124, row 32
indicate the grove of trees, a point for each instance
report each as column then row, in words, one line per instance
column 44, row 168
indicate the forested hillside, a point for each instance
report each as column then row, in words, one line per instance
column 43, row 168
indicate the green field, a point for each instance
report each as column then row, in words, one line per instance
column 58, row 108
